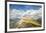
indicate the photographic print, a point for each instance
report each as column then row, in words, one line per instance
column 24, row 16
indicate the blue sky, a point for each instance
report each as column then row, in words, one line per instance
column 24, row 7
column 19, row 10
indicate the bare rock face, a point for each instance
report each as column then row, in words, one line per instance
column 26, row 22
column 27, row 19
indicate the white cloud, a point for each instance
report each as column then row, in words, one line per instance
column 33, row 13
column 37, row 13
column 14, row 13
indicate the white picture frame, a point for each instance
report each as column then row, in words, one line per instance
column 25, row 29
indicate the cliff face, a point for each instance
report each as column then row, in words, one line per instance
column 26, row 19
column 26, row 22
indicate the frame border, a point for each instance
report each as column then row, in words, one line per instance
column 23, row 2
